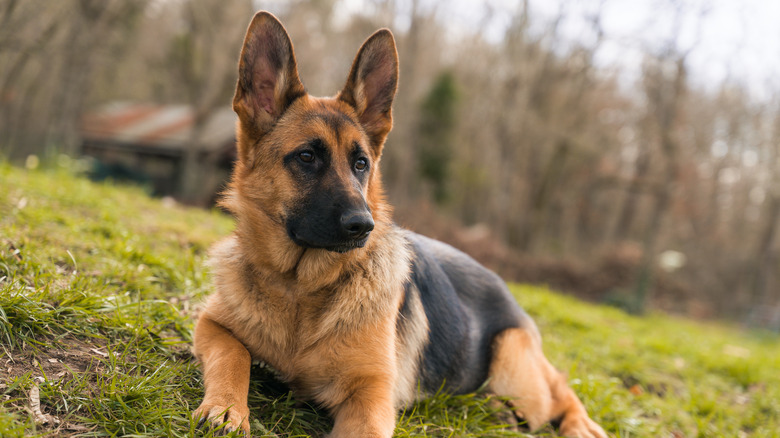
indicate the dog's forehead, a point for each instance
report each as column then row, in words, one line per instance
column 328, row 119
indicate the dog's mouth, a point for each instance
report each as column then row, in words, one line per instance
column 339, row 247
column 352, row 244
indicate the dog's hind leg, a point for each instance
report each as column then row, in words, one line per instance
column 538, row 392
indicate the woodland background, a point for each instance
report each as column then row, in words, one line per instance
column 519, row 148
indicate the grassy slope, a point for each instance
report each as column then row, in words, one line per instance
column 97, row 287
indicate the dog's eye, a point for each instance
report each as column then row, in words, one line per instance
column 361, row 164
column 306, row 156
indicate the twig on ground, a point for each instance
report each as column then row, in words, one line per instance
column 35, row 406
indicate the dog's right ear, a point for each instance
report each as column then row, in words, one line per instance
column 268, row 79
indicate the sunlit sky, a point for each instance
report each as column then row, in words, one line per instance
column 736, row 40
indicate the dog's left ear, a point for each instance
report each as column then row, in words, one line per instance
column 371, row 86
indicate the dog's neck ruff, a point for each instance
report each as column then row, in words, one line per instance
column 360, row 288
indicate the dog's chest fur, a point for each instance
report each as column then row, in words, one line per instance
column 309, row 333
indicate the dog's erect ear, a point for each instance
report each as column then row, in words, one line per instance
column 267, row 74
column 371, row 86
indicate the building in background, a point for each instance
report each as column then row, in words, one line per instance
column 149, row 144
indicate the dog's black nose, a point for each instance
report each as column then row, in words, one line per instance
column 357, row 225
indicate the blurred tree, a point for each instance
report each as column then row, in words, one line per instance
column 55, row 50
column 202, row 60
column 435, row 131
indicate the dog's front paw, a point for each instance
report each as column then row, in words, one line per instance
column 233, row 417
column 581, row 426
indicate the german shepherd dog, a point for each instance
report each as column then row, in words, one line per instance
column 354, row 313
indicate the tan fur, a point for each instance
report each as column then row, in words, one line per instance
column 411, row 343
column 539, row 392
column 295, row 329
column 226, row 372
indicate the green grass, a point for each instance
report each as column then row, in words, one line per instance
column 99, row 285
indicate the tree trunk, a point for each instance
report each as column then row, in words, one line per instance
column 633, row 191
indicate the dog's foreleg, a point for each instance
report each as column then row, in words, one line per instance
column 368, row 412
column 361, row 393
column 226, row 363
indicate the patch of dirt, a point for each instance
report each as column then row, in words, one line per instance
column 63, row 357
column 57, row 361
